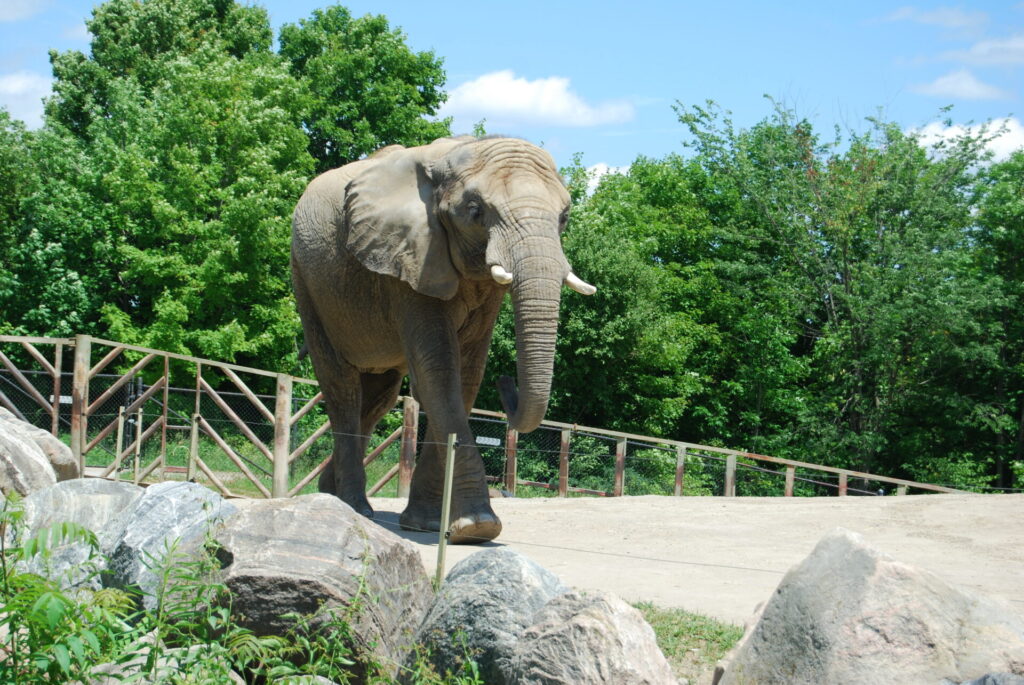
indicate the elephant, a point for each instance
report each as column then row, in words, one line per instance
column 400, row 262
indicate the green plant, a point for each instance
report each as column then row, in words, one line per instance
column 52, row 636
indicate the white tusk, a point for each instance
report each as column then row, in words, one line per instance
column 579, row 285
column 500, row 275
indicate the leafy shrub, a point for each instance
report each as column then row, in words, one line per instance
column 52, row 635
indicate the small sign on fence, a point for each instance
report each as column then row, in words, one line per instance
column 490, row 442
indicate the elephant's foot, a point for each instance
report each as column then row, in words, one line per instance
column 475, row 528
column 355, row 499
column 471, row 524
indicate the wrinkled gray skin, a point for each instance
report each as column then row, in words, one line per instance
column 391, row 263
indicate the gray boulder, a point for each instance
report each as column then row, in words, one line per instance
column 850, row 614
column 997, row 679
column 137, row 540
column 24, row 467
column 90, row 502
column 488, row 599
column 314, row 555
column 64, row 464
column 592, row 637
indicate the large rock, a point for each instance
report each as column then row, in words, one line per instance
column 64, row 464
column 850, row 614
column 24, row 467
column 315, row 555
column 486, row 602
column 90, row 502
column 169, row 513
column 590, row 638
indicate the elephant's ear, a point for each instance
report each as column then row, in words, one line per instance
column 392, row 223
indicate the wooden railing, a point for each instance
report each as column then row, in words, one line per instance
column 269, row 432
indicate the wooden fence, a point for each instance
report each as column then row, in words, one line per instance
column 268, row 434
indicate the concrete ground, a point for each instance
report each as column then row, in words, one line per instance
column 722, row 556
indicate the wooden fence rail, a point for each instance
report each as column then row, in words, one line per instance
column 271, row 424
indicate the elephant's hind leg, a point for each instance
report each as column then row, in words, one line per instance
column 340, row 383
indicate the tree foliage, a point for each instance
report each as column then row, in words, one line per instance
column 174, row 153
column 366, row 87
column 848, row 302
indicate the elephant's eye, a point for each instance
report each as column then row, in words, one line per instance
column 475, row 210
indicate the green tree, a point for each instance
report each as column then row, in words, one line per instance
column 1000, row 253
column 366, row 88
column 174, row 152
column 39, row 292
column 184, row 157
column 864, row 252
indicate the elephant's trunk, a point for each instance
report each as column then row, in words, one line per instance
column 538, row 269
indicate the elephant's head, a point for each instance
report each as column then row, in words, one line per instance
column 478, row 209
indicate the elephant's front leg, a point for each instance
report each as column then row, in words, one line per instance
column 437, row 372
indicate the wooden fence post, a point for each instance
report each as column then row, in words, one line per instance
column 790, row 477
column 730, row 476
column 620, row 468
column 511, row 443
column 842, row 485
column 120, row 435
column 680, row 469
column 163, row 416
column 407, row 454
column 193, row 448
column 901, row 489
column 563, row 463
column 80, row 397
column 58, row 357
column 282, row 435
column 138, row 446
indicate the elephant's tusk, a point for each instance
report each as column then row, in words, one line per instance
column 500, row 275
column 579, row 285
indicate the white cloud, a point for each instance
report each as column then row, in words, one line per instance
column 961, row 84
column 597, row 171
column 992, row 51
column 946, row 17
column 1009, row 134
column 503, row 98
column 13, row 10
column 22, row 93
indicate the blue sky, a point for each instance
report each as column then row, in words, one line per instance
column 601, row 78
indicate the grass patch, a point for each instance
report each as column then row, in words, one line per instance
column 692, row 643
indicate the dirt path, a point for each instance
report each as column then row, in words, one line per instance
column 722, row 556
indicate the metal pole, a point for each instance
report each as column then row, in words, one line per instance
column 446, row 501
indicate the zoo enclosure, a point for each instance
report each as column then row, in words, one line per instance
column 133, row 412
